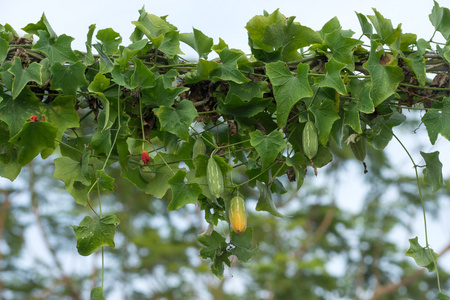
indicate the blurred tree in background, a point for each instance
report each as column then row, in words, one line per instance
column 322, row 251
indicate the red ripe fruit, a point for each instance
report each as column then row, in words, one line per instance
column 33, row 118
column 145, row 157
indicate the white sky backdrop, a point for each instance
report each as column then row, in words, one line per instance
column 224, row 19
column 227, row 19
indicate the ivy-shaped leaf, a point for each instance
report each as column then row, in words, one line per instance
column 438, row 122
column 214, row 248
column 182, row 192
column 15, row 112
column 424, row 257
column 385, row 78
column 159, row 95
column 42, row 25
column 97, row 293
column 110, row 40
column 265, row 201
column 228, row 70
column 34, row 72
column 288, row 89
column 34, row 138
column 243, row 245
column 440, row 18
column 177, row 120
column 68, row 78
column 333, row 77
column 433, row 171
column 385, row 29
column 75, row 175
column 163, row 35
column 94, row 234
column 58, row 51
column 61, row 113
column 269, row 146
column 105, row 181
column 199, row 42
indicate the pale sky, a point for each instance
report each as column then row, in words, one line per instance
column 225, row 19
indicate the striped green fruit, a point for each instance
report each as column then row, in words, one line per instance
column 310, row 140
column 214, row 177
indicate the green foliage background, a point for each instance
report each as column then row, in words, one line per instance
column 92, row 116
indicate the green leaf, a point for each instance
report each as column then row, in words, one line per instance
column 342, row 47
column 240, row 109
column 16, row 112
column 34, row 138
column 42, row 25
column 182, row 192
column 383, row 129
column 142, row 77
column 367, row 29
column 58, row 51
column 177, row 120
column 424, row 257
column 213, row 244
column 126, row 53
column 247, row 91
column 68, row 78
column 61, row 113
column 105, row 181
column 298, row 162
column 89, row 58
column 159, row 95
column 333, row 77
column 433, row 171
column 110, row 40
column 438, row 122
column 228, row 70
column 94, row 234
column 385, row 29
column 99, row 84
column 442, row 296
column 97, row 293
column 214, row 247
column 34, row 72
column 266, row 32
column 199, row 42
column 440, row 18
column 101, row 140
column 163, row 35
column 385, row 79
column 243, row 245
column 265, row 201
column 288, row 89
column 75, row 175
column 106, row 65
column 325, row 115
column 269, row 146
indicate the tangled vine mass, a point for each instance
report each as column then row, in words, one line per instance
column 201, row 132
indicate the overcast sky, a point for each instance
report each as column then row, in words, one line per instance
column 225, row 19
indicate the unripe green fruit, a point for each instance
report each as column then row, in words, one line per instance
column 199, row 147
column 214, row 177
column 359, row 148
column 238, row 215
column 310, row 140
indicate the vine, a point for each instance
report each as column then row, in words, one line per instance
column 272, row 113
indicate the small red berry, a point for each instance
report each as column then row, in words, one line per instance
column 145, row 157
column 33, row 118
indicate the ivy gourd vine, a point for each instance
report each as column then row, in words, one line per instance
column 256, row 117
